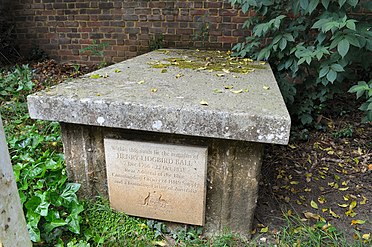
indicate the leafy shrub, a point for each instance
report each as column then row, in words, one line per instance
column 316, row 48
column 16, row 83
column 50, row 202
column 366, row 89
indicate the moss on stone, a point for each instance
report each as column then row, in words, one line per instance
column 208, row 60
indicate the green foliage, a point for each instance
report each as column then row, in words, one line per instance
column 202, row 32
column 300, row 233
column 37, row 54
column 95, row 49
column 50, row 202
column 364, row 89
column 314, row 46
column 157, row 42
column 16, row 83
column 345, row 132
column 105, row 227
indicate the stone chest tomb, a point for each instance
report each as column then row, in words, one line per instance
column 175, row 135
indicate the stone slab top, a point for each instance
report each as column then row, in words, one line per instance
column 187, row 92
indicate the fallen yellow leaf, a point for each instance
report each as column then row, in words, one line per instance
column 321, row 199
column 154, row 90
column 353, row 204
column 266, row 87
column 265, row 229
column 364, row 201
column 313, row 204
column 203, row 102
column 350, row 213
column 366, row 236
column 309, row 215
column 237, row 91
column 96, row 76
column 334, row 214
column 217, row 91
column 343, row 189
column 117, row 70
column 141, row 82
column 179, row 75
column 357, row 222
column 229, row 87
column 344, row 205
column 220, row 75
column 159, row 243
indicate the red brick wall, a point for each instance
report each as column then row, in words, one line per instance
column 62, row 27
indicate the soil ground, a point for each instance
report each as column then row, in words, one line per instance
column 322, row 174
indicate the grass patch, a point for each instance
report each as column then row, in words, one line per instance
column 300, row 232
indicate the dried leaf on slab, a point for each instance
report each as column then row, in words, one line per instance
column 203, row 102
column 237, row 91
column 96, row 76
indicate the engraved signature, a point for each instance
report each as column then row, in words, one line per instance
column 154, row 199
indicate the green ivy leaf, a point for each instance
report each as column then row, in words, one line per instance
column 69, row 193
column 73, row 223
column 343, row 47
column 32, row 226
column 49, row 226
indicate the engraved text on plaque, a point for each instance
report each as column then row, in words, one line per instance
column 159, row 181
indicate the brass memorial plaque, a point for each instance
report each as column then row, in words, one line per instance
column 158, row 181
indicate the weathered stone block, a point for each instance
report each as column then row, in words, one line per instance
column 13, row 230
column 233, row 170
column 180, row 97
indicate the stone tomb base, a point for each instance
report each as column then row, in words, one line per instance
column 233, row 169
column 218, row 109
